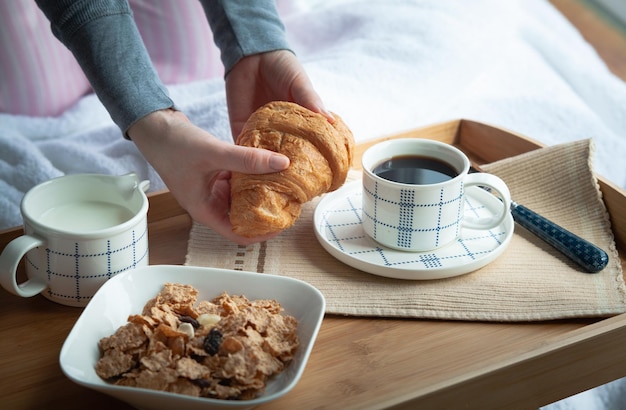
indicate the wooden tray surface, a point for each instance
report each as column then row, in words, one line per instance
column 359, row 362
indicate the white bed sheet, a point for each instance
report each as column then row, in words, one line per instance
column 385, row 67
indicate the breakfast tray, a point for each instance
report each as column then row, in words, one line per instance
column 416, row 363
column 495, row 275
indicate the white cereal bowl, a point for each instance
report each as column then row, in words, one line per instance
column 127, row 293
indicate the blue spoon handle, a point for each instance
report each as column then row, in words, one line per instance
column 584, row 253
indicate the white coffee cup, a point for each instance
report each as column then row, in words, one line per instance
column 423, row 209
column 79, row 231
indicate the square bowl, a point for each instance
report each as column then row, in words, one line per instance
column 127, row 293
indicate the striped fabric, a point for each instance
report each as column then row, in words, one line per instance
column 40, row 77
column 178, row 39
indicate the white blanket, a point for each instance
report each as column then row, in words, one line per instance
column 385, row 67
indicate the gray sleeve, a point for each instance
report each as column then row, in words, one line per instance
column 104, row 39
column 244, row 27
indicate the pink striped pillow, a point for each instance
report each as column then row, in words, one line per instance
column 40, row 77
column 178, row 39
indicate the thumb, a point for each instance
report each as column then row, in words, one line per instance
column 250, row 160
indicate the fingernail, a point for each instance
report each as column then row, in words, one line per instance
column 279, row 162
column 329, row 115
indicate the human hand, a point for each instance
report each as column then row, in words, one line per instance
column 196, row 167
column 261, row 78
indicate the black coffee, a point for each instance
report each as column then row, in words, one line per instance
column 415, row 169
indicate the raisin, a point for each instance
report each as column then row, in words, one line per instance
column 203, row 382
column 188, row 319
column 212, row 341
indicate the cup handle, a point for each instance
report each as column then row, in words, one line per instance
column 492, row 183
column 10, row 258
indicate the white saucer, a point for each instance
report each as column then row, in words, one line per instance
column 338, row 228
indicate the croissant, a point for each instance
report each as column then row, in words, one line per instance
column 320, row 153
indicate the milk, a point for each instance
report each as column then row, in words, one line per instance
column 85, row 216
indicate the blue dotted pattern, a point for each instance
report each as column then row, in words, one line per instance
column 407, row 211
column 342, row 226
column 584, row 253
column 86, row 282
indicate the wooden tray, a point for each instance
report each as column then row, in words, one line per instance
column 359, row 362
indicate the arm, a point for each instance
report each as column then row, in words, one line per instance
column 259, row 65
column 193, row 163
column 104, row 39
column 243, row 28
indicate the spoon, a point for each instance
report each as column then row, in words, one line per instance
column 582, row 252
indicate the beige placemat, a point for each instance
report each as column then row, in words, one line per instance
column 529, row 281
